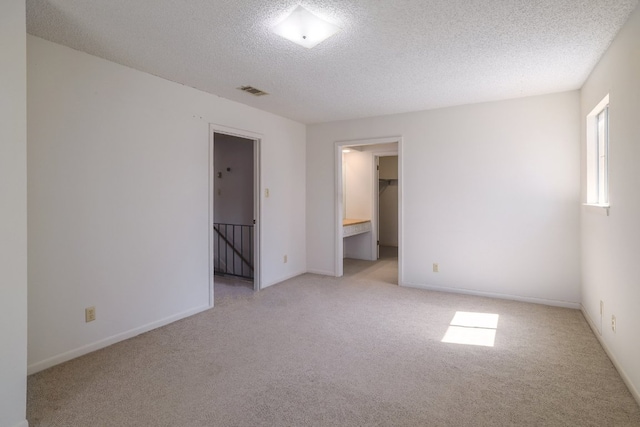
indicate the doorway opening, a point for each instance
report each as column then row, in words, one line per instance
column 369, row 208
column 386, row 205
column 234, row 243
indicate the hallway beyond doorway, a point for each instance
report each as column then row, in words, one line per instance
column 231, row 287
column 385, row 269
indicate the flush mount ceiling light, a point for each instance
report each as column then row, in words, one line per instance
column 305, row 28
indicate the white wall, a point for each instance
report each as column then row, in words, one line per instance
column 13, row 214
column 233, row 191
column 611, row 244
column 359, row 184
column 491, row 192
column 359, row 176
column 118, row 214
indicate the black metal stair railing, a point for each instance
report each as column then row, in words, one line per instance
column 233, row 250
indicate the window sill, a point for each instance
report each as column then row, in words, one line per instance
column 597, row 208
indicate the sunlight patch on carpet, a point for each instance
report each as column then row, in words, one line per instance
column 472, row 329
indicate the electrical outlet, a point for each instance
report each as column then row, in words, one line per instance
column 89, row 314
column 613, row 323
column 436, row 267
column 285, row 259
column 266, row 192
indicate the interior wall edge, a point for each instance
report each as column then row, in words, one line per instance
column 321, row 272
column 114, row 339
column 627, row 381
column 283, row 278
column 532, row 300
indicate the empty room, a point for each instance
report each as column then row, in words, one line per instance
column 501, row 286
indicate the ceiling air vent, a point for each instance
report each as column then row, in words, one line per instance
column 252, row 90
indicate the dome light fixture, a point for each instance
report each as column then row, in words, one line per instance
column 305, row 28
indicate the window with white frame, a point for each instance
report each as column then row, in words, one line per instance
column 598, row 154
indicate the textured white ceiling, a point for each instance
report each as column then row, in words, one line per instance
column 390, row 57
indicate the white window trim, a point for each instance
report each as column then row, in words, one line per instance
column 597, row 209
column 591, row 141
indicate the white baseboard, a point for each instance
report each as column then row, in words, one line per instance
column 543, row 301
column 81, row 351
column 22, row 424
column 621, row 371
column 282, row 279
column 322, row 272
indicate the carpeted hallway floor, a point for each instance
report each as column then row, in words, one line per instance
column 351, row 351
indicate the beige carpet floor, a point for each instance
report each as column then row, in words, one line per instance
column 229, row 286
column 351, row 351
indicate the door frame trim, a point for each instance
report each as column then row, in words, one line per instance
column 257, row 211
column 338, row 192
column 376, row 197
